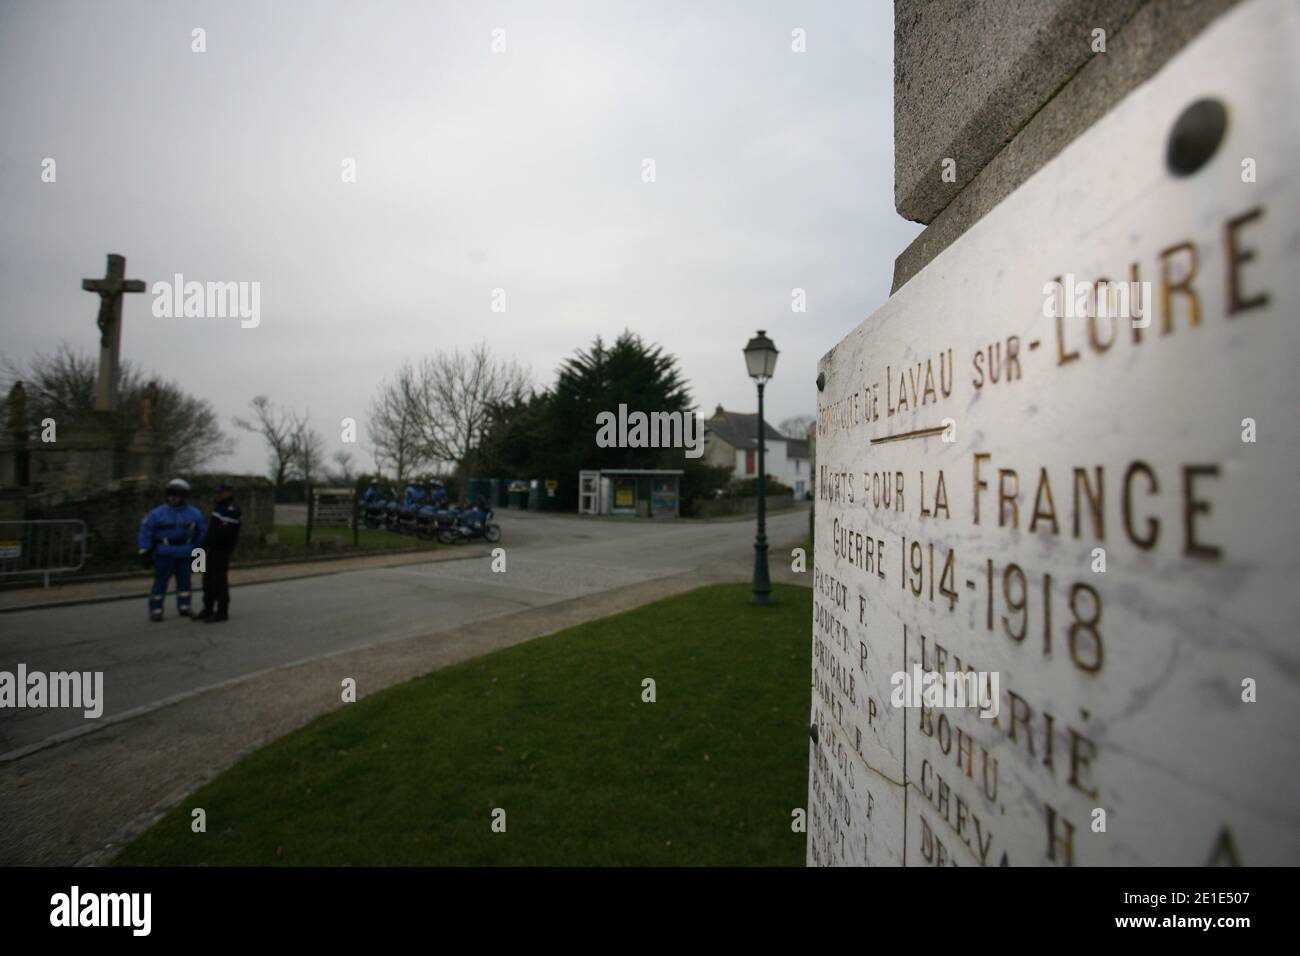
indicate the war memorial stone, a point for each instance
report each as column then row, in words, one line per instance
column 1062, row 462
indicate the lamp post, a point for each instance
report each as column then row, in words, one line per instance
column 760, row 359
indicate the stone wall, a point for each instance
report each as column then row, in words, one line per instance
column 718, row 507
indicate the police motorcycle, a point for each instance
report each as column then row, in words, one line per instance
column 375, row 504
column 391, row 509
column 415, row 513
column 400, row 515
column 445, row 519
column 413, row 499
column 422, row 510
column 469, row 523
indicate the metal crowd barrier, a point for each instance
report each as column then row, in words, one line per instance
column 42, row 547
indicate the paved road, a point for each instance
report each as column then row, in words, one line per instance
column 548, row 559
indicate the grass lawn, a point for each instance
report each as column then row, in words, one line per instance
column 554, row 732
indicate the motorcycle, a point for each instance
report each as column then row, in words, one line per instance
column 426, row 521
column 375, row 513
column 407, row 519
column 467, row 525
column 429, row 520
column 391, row 515
column 445, row 518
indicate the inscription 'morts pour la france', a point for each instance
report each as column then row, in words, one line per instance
column 1090, row 509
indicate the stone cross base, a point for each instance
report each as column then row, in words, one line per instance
column 14, row 471
column 87, row 456
column 143, row 456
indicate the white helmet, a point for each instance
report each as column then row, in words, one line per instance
column 178, row 486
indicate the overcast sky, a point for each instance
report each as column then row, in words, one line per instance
column 520, row 170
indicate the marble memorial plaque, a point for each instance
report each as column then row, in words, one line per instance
column 1082, row 496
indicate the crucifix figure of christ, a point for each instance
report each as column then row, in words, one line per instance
column 110, row 289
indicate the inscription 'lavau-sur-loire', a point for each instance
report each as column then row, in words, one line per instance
column 1093, row 515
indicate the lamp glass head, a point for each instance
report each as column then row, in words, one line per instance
column 760, row 357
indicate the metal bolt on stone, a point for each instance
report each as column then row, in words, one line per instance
column 1196, row 136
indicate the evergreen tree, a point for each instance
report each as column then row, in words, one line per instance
column 552, row 434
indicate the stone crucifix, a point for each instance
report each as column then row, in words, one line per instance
column 110, row 290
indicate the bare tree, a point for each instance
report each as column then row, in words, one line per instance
column 796, row 427
column 309, row 452
column 343, row 461
column 281, row 430
column 455, row 393
column 392, row 425
column 61, row 385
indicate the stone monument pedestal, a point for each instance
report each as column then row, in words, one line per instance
column 86, row 455
column 143, row 455
column 14, row 470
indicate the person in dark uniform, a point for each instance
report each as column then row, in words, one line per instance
column 167, row 537
column 219, row 543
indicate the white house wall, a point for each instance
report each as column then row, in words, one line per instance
column 790, row 471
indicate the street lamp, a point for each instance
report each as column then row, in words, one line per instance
column 760, row 359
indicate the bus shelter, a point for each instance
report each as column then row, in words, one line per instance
column 635, row 492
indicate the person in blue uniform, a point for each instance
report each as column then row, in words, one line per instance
column 218, row 544
column 169, row 534
column 437, row 494
column 413, row 496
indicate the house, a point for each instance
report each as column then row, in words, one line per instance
column 731, row 440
